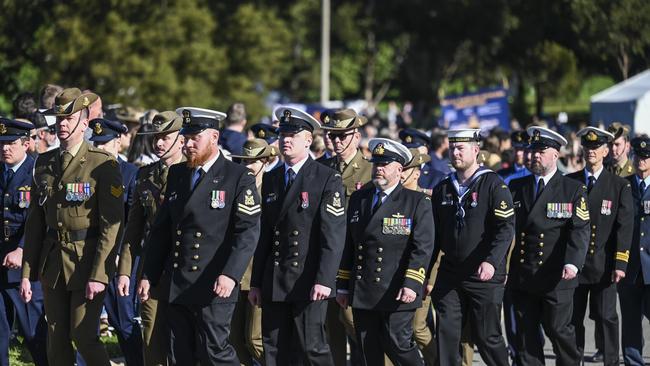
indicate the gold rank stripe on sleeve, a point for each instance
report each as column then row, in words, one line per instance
column 116, row 191
column 417, row 275
column 623, row 256
column 248, row 210
column 582, row 214
column 343, row 274
column 504, row 213
column 333, row 210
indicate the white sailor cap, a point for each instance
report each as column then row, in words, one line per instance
column 592, row 137
column 294, row 120
column 386, row 151
column 464, row 135
column 542, row 138
column 196, row 120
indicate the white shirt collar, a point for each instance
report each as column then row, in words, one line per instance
column 17, row 166
column 646, row 180
column 296, row 167
column 596, row 174
column 208, row 164
column 388, row 190
column 546, row 177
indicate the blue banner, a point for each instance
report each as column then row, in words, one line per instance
column 486, row 109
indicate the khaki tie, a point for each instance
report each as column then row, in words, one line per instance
column 342, row 166
column 65, row 161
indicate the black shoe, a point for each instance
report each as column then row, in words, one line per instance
column 597, row 357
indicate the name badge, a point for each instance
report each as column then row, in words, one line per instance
column 606, row 208
column 396, row 225
column 559, row 210
column 355, row 217
column 272, row 197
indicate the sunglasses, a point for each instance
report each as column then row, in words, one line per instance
column 340, row 136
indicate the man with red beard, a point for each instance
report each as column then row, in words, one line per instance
column 201, row 242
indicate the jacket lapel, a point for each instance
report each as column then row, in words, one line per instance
column 291, row 197
column 527, row 192
column 201, row 191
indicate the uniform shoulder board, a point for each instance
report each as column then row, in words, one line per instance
column 100, row 151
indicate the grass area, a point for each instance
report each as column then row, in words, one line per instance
column 19, row 355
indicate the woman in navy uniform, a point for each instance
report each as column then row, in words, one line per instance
column 201, row 241
column 15, row 188
column 388, row 247
column 611, row 214
column 301, row 242
column 475, row 207
column 552, row 235
column 634, row 289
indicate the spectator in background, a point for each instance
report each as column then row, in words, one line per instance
column 48, row 93
column 132, row 118
column 142, row 151
column 24, row 105
column 439, row 147
column 621, row 165
column 318, row 150
column 232, row 137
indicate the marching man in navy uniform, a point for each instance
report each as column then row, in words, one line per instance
column 121, row 309
column 201, row 241
column 552, row 235
column 15, row 188
column 388, row 247
column 475, row 208
column 611, row 213
column 300, row 248
column 634, row 289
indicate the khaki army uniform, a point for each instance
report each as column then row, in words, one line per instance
column 626, row 170
column 151, row 182
column 74, row 222
column 355, row 173
column 246, row 324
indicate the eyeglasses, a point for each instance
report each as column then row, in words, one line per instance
column 340, row 136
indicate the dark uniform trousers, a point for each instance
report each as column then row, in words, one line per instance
column 339, row 322
column 30, row 318
column 634, row 289
column 301, row 241
column 478, row 227
column 611, row 215
column 552, row 231
column 200, row 233
column 151, row 181
column 386, row 250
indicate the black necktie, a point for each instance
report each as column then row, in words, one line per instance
column 540, row 188
column 380, row 196
column 641, row 187
column 6, row 176
column 291, row 177
column 590, row 183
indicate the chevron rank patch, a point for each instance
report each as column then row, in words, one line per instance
column 417, row 275
column 623, row 256
column 249, row 207
column 581, row 210
column 335, row 207
column 503, row 211
column 116, row 191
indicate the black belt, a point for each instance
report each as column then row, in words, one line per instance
column 74, row 235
